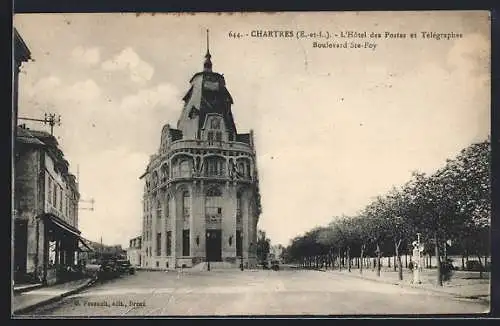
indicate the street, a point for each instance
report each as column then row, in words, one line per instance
column 233, row 292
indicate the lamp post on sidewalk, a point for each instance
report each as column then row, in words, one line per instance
column 417, row 250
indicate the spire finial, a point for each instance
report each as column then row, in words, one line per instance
column 207, row 66
column 208, row 42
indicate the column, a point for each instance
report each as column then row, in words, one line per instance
column 177, row 230
column 153, row 229
column 245, row 224
column 173, row 227
column 197, row 223
column 229, row 221
column 164, row 213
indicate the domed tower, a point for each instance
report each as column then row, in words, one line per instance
column 201, row 195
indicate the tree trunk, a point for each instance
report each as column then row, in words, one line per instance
column 340, row 260
column 438, row 261
column 406, row 260
column 481, row 266
column 389, row 262
column 400, row 265
column 463, row 262
column 361, row 255
column 378, row 260
column 395, row 263
column 348, row 252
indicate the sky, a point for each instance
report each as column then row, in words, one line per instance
column 333, row 127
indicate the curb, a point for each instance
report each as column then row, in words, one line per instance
column 26, row 309
column 408, row 286
column 26, row 289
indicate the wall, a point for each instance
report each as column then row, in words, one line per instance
column 27, row 199
column 68, row 214
column 27, row 174
column 134, row 255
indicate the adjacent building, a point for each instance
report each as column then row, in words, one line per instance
column 46, row 235
column 201, row 191
column 134, row 251
column 21, row 54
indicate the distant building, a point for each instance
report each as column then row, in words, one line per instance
column 134, row 251
column 275, row 252
column 101, row 251
column 201, row 196
column 46, row 235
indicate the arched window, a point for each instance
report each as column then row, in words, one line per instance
column 164, row 172
column 214, row 192
column 186, row 204
column 184, row 168
column 158, row 210
column 213, row 205
column 167, row 206
column 238, row 207
column 215, row 166
column 243, row 168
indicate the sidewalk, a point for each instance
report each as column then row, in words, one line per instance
column 24, row 302
column 462, row 284
column 19, row 288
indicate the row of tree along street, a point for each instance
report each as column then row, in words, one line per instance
column 451, row 206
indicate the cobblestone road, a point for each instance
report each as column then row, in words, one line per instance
column 286, row 292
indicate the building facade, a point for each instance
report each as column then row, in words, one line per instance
column 201, row 195
column 47, row 239
column 134, row 251
column 21, row 54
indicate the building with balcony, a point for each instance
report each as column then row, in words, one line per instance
column 201, row 195
column 134, row 251
column 46, row 236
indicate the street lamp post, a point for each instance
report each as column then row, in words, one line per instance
column 417, row 249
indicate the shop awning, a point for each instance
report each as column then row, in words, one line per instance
column 57, row 222
column 62, row 225
column 82, row 241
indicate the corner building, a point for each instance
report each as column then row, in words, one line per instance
column 201, row 197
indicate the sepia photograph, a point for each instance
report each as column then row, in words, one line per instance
column 251, row 164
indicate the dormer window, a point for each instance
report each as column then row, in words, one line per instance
column 210, row 137
column 193, row 113
column 215, row 123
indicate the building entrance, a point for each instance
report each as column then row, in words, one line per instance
column 214, row 245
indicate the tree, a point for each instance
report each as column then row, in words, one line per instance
column 263, row 245
column 399, row 217
column 470, row 174
column 378, row 226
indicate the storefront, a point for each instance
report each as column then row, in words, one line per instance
column 61, row 241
